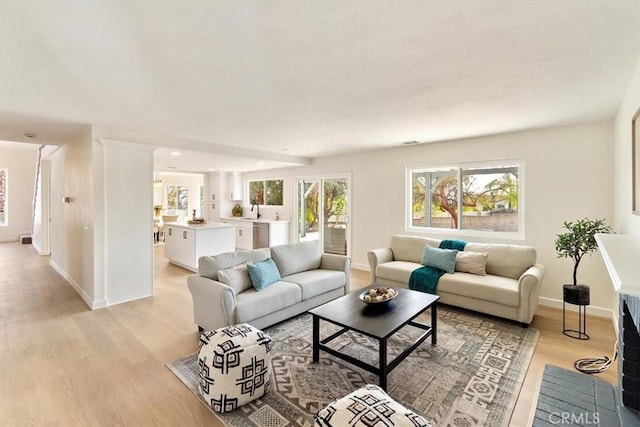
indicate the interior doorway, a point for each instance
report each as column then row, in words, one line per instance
column 323, row 212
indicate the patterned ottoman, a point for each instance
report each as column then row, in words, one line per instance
column 233, row 366
column 368, row 406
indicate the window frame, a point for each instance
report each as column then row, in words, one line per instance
column 460, row 232
column 264, row 190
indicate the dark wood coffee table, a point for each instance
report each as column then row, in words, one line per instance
column 378, row 321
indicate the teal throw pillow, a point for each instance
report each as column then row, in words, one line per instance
column 444, row 259
column 263, row 273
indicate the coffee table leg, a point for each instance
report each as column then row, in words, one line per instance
column 316, row 339
column 434, row 324
column 383, row 364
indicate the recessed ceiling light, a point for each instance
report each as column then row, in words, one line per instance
column 175, row 153
column 211, row 169
column 30, row 135
column 260, row 163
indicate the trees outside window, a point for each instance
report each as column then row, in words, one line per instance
column 267, row 192
column 468, row 198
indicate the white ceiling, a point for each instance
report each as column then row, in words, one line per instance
column 309, row 78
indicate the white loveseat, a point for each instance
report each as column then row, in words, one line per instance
column 308, row 278
column 510, row 288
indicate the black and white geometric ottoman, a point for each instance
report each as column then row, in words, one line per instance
column 368, row 406
column 233, row 366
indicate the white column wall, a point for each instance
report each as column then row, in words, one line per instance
column 128, row 220
column 40, row 236
column 72, row 241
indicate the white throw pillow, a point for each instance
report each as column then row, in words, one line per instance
column 237, row 277
column 472, row 262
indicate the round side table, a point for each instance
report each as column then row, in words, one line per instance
column 576, row 295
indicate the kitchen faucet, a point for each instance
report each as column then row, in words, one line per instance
column 258, row 206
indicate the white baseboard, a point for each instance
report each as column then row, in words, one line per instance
column 93, row 305
column 38, row 249
column 591, row 309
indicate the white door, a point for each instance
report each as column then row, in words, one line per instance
column 323, row 208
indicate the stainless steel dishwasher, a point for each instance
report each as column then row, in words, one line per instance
column 260, row 235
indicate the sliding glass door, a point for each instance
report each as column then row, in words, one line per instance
column 323, row 212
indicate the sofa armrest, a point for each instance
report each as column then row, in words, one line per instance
column 377, row 257
column 339, row 263
column 214, row 303
column 529, row 285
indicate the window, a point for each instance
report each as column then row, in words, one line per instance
column 480, row 198
column 3, row 197
column 177, row 200
column 266, row 192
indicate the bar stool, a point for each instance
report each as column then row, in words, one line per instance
column 576, row 295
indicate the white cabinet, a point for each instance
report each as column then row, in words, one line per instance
column 244, row 234
column 244, row 238
column 234, row 180
column 185, row 244
column 278, row 233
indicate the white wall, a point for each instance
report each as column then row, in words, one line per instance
column 128, row 201
column 20, row 160
column 568, row 175
column 102, row 240
column 625, row 220
column 72, row 242
column 41, row 231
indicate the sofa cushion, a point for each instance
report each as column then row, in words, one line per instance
column 296, row 257
column 252, row 304
column 316, row 282
column 444, row 259
column 263, row 273
column 497, row 289
column 409, row 248
column 237, row 277
column 472, row 262
column 208, row 266
column 398, row 271
column 505, row 260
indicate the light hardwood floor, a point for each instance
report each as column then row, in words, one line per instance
column 62, row 364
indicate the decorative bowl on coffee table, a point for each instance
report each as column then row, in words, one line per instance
column 379, row 295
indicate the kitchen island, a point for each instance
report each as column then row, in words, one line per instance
column 186, row 243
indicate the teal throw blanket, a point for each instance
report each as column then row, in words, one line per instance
column 425, row 279
column 453, row 244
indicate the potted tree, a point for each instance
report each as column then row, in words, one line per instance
column 579, row 241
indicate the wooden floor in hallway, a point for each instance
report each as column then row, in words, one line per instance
column 62, row 364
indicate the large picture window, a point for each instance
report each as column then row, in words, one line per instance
column 267, row 193
column 482, row 198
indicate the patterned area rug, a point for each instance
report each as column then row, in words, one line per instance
column 472, row 377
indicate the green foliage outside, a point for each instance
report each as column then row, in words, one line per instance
column 335, row 202
column 502, row 191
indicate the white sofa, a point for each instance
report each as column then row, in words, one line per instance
column 509, row 290
column 309, row 278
